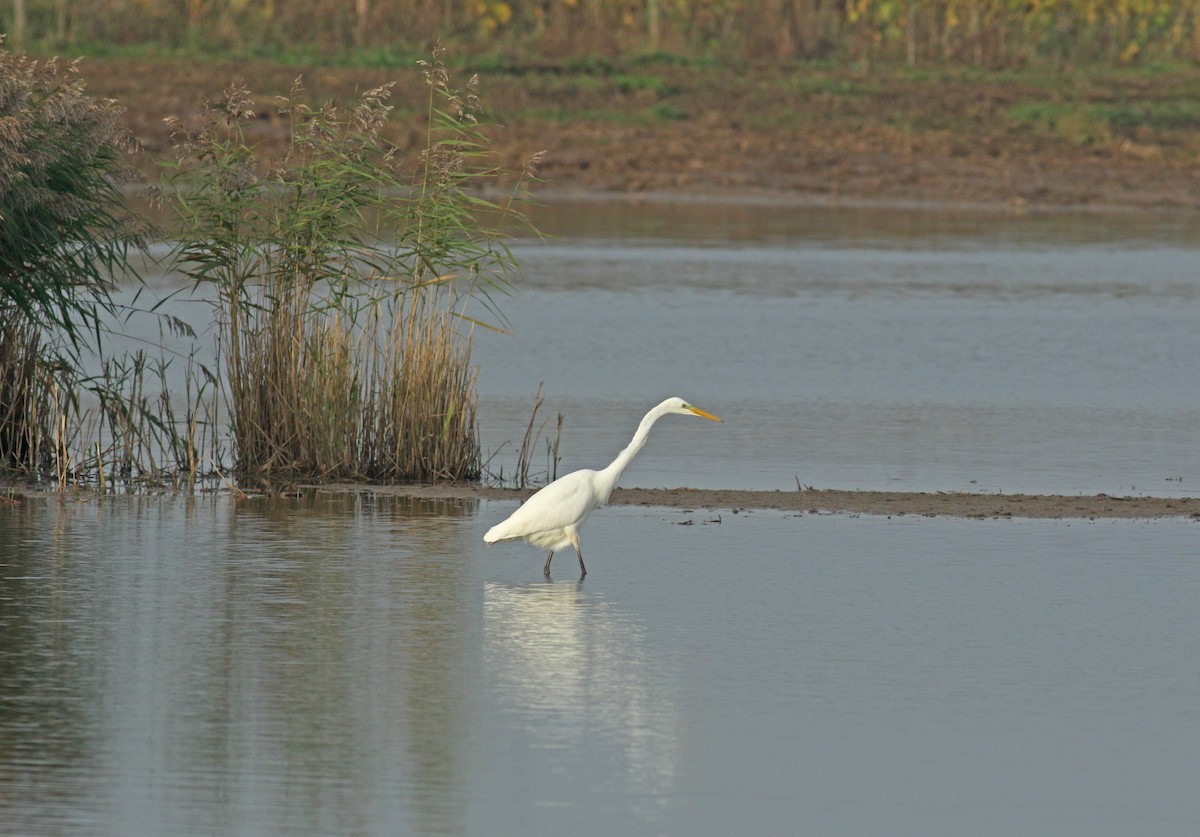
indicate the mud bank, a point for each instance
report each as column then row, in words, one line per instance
column 813, row 501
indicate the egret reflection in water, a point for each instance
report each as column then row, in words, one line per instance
column 569, row 668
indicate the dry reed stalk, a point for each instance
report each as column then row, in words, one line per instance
column 525, row 454
column 552, row 451
column 426, row 427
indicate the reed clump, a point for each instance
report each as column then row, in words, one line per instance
column 24, row 424
column 345, row 279
column 65, row 238
column 117, row 428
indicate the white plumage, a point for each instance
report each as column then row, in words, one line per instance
column 551, row 517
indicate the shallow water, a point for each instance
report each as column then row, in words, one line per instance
column 851, row 349
column 365, row 665
column 362, row 665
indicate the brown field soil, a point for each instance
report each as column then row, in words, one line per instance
column 1108, row 139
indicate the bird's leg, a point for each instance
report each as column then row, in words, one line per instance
column 546, row 569
column 578, row 552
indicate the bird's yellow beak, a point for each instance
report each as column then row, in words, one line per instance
column 703, row 414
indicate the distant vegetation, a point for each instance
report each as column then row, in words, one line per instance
column 982, row 32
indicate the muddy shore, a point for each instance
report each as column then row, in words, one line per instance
column 809, row 501
column 814, row 501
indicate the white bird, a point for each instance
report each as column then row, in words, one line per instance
column 552, row 516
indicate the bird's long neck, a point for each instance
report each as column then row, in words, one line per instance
column 606, row 480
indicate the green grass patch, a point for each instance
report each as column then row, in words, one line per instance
column 604, row 85
column 840, row 86
column 1069, row 122
column 669, row 112
column 299, row 55
column 1093, row 123
column 639, row 83
column 661, row 58
column 563, row 115
column 1164, row 116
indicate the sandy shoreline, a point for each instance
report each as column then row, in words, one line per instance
column 813, row 501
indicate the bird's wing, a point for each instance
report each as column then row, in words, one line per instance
column 565, row 502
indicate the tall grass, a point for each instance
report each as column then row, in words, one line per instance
column 134, row 434
column 343, row 279
column 65, row 237
column 24, row 379
column 116, row 428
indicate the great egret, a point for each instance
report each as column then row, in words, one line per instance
column 551, row 517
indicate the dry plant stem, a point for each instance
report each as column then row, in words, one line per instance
column 528, row 441
column 554, row 457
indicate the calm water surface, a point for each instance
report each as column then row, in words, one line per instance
column 856, row 349
column 357, row 665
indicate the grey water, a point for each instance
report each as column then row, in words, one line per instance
column 362, row 664
column 357, row 664
column 907, row 351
